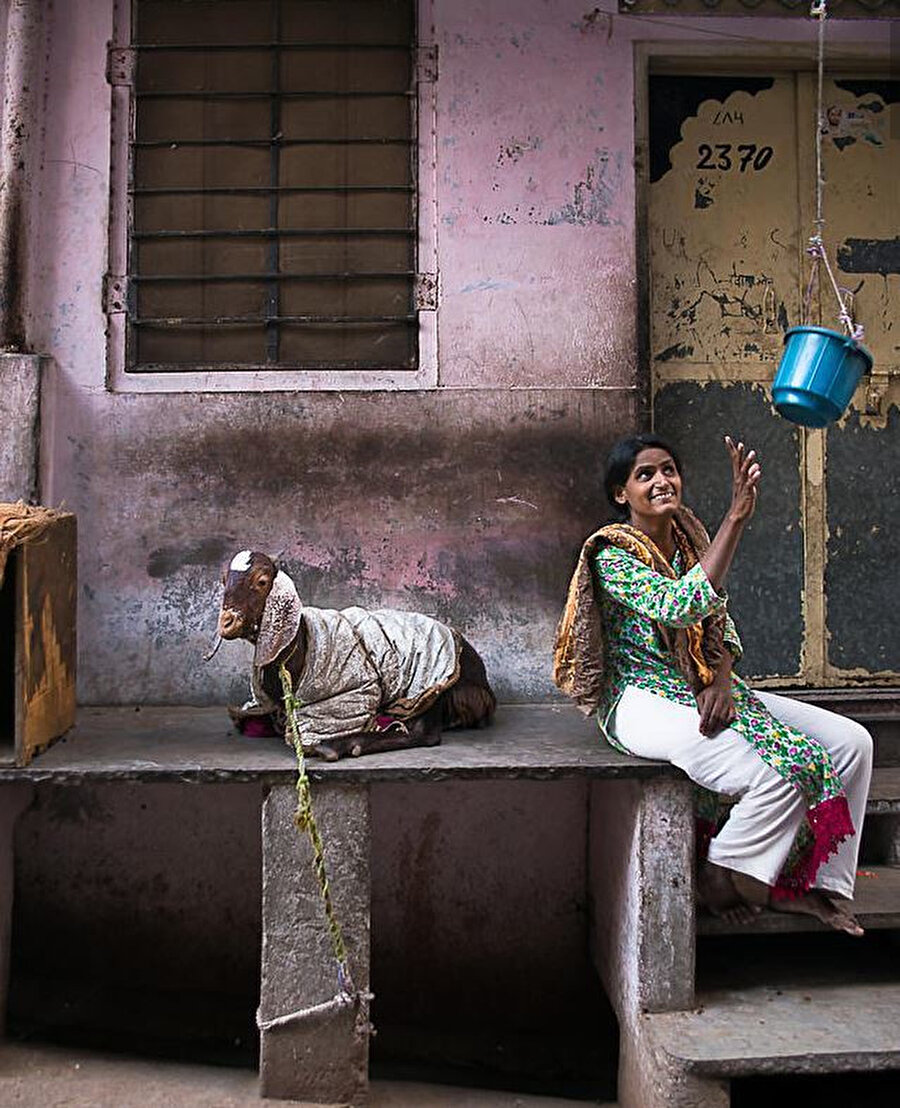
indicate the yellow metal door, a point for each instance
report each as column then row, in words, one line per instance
column 730, row 210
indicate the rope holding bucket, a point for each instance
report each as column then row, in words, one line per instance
column 820, row 368
column 816, row 248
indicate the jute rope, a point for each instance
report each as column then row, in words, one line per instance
column 21, row 523
column 347, row 994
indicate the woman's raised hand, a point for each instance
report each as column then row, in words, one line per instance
column 745, row 476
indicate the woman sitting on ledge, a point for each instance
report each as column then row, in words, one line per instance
column 646, row 641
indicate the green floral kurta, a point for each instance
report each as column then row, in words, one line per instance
column 634, row 600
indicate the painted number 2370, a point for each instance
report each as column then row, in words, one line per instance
column 746, row 156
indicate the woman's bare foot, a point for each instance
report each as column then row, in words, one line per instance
column 815, row 903
column 719, row 893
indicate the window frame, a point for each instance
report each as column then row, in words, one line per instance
column 120, row 68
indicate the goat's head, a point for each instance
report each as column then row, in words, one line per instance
column 248, row 581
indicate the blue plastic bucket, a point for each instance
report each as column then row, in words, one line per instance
column 817, row 375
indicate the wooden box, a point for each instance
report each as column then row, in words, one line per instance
column 37, row 643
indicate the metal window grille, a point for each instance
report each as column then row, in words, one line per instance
column 272, row 186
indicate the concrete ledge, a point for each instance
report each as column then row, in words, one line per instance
column 641, row 837
column 196, row 745
column 768, row 1030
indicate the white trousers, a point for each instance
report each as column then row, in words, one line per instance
column 763, row 824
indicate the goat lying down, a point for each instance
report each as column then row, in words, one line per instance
column 367, row 680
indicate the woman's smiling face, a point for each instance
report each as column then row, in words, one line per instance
column 653, row 488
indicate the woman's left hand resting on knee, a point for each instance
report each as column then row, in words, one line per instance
column 715, row 703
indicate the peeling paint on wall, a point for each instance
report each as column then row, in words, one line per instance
column 513, row 151
column 596, row 21
column 857, row 255
column 166, row 560
column 594, row 195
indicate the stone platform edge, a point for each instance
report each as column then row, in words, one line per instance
column 191, row 745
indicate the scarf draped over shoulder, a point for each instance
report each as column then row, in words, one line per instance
column 579, row 663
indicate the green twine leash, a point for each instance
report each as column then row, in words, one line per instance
column 305, row 820
column 347, row 994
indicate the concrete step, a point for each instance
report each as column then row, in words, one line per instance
column 876, row 906
column 877, row 902
column 884, row 792
column 770, row 1030
column 871, row 705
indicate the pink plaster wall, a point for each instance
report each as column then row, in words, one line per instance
column 66, row 318
column 534, row 172
column 535, row 228
column 536, row 200
column 536, row 186
column 471, row 503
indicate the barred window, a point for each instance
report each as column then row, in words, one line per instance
column 272, row 186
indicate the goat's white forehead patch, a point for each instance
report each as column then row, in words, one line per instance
column 241, row 561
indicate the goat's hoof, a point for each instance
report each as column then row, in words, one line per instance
column 355, row 750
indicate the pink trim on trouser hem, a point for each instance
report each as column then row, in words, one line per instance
column 830, row 823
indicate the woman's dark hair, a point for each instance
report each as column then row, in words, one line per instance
column 620, row 462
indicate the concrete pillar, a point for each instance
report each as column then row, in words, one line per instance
column 14, row 799
column 318, row 1056
column 18, row 127
column 641, row 874
column 20, row 377
column 668, row 918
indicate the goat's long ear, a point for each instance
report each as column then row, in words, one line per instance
column 280, row 621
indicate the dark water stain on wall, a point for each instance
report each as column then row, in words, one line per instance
column 166, row 560
column 471, row 505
